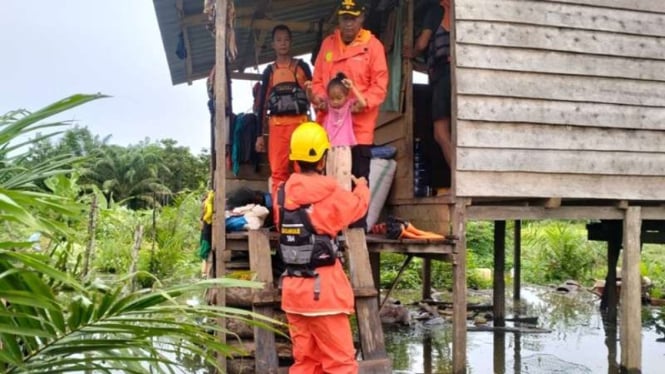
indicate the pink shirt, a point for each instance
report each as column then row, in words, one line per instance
column 339, row 125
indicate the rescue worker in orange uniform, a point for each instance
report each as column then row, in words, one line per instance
column 358, row 54
column 282, row 117
column 317, row 305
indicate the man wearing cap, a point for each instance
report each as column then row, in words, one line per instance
column 358, row 54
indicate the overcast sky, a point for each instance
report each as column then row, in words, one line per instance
column 52, row 49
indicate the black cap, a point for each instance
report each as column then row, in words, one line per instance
column 350, row 7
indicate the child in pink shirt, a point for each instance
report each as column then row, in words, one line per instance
column 339, row 125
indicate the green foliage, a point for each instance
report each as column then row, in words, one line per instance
column 52, row 319
column 653, row 266
column 480, row 241
column 391, row 263
column 555, row 251
column 48, row 329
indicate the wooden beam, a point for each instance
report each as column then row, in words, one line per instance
column 499, row 283
column 485, row 212
column 510, row 184
column 544, row 13
column 517, row 260
column 498, row 346
column 552, row 202
column 260, row 264
column 427, row 279
column 631, row 290
column 268, row 24
column 609, row 300
column 459, row 288
column 406, row 263
column 367, row 309
column 558, row 39
column 544, row 61
column 219, row 226
column 479, row 134
column 246, row 76
column 539, row 111
column 188, row 59
column 646, row 6
column 194, row 20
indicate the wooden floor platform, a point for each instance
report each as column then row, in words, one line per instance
column 237, row 241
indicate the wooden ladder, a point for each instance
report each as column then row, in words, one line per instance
column 375, row 359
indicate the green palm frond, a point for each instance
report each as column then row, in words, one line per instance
column 101, row 326
column 53, row 322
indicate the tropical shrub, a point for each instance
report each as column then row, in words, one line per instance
column 55, row 319
column 556, row 251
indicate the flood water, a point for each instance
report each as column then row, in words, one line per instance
column 576, row 344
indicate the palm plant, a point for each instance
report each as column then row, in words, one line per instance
column 53, row 322
column 129, row 176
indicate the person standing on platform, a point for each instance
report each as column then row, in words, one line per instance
column 435, row 39
column 282, row 104
column 316, row 293
column 360, row 56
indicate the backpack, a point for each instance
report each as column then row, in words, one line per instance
column 286, row 96
column 301, row 249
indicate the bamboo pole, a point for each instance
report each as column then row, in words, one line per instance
column 218, row 225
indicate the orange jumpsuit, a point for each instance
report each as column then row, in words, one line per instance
column 280, row 127
column 364, row 62
column 320, row 329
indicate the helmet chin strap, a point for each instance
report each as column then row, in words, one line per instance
column 321, row 166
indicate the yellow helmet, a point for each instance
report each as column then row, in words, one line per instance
column 309, row 142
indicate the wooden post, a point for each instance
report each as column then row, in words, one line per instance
column 218, row 225
column 499, row 347
column 631, row 305
column 517, row 354
column 372, row 343
column 260, row 264
column 609, row 299
column 427, row 354
column 459, row 288
column 499, row 293
column 610, row 326
column 375, row 263
column 427, row 279
column 517, row 261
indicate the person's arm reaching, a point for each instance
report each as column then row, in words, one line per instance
column 360, row 99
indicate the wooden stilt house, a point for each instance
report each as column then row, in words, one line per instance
column 558, row 113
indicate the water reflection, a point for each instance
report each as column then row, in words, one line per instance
column 582, row 341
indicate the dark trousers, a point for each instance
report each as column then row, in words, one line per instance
column 361, row 155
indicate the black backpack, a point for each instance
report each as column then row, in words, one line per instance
column 287, row 97
column 303, row 250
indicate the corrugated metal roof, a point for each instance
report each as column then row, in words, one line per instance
column 259, row 14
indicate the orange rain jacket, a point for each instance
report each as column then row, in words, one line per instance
column 332, row 209
column 364, row 62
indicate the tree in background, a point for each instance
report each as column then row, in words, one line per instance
column 141, row 176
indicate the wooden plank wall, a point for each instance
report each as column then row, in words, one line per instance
column 560, row 98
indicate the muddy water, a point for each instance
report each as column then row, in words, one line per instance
column 577, row 342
